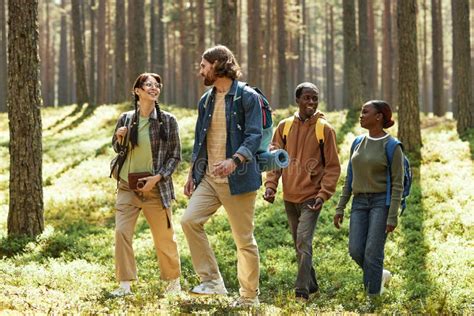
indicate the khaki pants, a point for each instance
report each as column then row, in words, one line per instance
column 240, row 209
column 128, row 208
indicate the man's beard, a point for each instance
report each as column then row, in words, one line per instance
column 209, row 80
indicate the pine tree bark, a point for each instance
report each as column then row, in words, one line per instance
column 330, row 84
column 137, row 59
column 387, row 52
column 352, row 78
column 408, row 115
column 395, row 57
column 462, row 80
column 268, row 49
column 63, row 59
column 3, row 57
column 439, row 108
column 228, row 24
column 254, row 48
column 25, row 215
column 373, row 65
column 81, row 82
column 201, row 41
column 365, row 57
column 153, row 38
column 120, row 94
column 426, row 98
column 160, row 40
column 283, row 100
column 302, row 41
column 92, row 53
column 101, row 54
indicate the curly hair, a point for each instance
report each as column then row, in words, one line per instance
column 227, row 65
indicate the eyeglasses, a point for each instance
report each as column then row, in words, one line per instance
column 152, row 84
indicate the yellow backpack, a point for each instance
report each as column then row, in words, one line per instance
column 318, row 132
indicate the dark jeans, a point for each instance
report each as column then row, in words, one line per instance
column 367, row 237
column 302, row 223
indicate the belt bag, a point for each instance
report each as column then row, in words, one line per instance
column 134, row 181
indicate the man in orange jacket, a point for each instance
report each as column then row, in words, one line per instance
column 309, row 180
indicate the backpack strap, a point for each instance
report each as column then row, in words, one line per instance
column 319, row 131
column 287, row 127
column 355, row 143
column 390, row 152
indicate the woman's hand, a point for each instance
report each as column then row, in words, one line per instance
column 150, row 183
column 338, row 218
column 120, row 133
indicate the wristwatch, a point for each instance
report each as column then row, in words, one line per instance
column 236, row 160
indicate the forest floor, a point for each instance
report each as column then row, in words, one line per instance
column 70, row 267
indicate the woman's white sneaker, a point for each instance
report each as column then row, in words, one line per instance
column 386, row 277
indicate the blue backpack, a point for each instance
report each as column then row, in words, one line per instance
column 389, row 151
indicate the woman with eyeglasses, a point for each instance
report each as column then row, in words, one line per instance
column 154, row 148
column 376, row 201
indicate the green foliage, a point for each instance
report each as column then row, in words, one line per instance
column 69, row 268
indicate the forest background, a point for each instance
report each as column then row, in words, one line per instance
column 66, row 71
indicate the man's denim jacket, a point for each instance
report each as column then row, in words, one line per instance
column 244, row 133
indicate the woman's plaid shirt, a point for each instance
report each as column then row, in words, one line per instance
column 166, row 155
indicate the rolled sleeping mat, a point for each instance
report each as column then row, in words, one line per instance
column 271, row 160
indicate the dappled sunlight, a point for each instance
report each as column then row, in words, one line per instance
column 70, row 267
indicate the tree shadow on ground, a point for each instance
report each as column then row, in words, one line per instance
column 88, row 111
column 414, row 250
column 74, row 112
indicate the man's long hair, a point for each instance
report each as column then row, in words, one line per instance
column 227, row 65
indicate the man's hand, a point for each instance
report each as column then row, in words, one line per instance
column 189, row 186
column 269, row 195
column 338, row 218
column 389, row 229
column 318, row 204
column 224, row 168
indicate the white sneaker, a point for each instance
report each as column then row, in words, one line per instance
column 246, row 302
column 210, row 288
column 173, row 287
column 386, row 277
column 120, row 292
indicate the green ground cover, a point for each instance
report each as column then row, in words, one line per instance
column 69, row 268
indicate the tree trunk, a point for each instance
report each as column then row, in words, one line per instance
column 373, row 65
column 268, row 45
column 63, row 90
column 254, row 48
column 283, row 100
column 92, row 53
column 184, row 44
column 330, row 80
column 201, row 40
column 120, row 94
column 137, row 60
column 365, row 57
column 426, row 98
column 25, row 215
column 352, row 81
column 228, row 24
column 3, row 57
column 153, row 38
column 409, row 113
column 302, row 41
column 387, row 52
column 439, row 108
column 81, row 82
column 101, row 54
column 462, row 85
column 161, row 39
column 395, row 57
